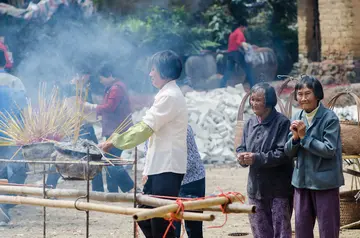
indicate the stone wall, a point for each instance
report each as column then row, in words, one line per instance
column 327, row 71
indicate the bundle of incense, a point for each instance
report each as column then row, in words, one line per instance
column 51, row 120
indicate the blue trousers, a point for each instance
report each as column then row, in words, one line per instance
column 194, row 189
column 116, row 177
column 88, row 133
column 13, row 172
column 233, row 58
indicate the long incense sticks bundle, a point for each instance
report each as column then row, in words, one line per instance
column 51, row 120
column 123, row 125
column 80, row 107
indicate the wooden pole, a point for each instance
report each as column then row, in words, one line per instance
column 115, row 197
column 351, row 225
column 190, row 205
column 234, row 208
column 99, row 163
column 135, row 189
column 96, row 207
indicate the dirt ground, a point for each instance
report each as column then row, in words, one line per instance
column 63, row 223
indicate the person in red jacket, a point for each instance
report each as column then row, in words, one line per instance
column 114, row 109
column 8, row 55
column 236, row 55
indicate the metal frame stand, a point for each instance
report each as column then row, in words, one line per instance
column 87, row 189
column 44, row 196
column 135, row 189
column 87, row 196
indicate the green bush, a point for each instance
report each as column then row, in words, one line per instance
column 162, row 29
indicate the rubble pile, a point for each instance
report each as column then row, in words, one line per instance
column 212, row 116
column 328, row 71
column 348, row 113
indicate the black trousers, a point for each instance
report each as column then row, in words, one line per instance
column 165, row 184
column 233, row 58
column 196, row 189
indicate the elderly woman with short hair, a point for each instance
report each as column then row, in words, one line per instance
column 269, row 182
column 315, row 144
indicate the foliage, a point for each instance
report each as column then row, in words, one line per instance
column 273, row 25
column 162, row 29
column 128, row 38
column 220, row 22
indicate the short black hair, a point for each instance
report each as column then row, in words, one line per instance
column 269, row 92
column 2, row 59
column 167, row 63
column 239, row 24
column 243, row 23
column 106, row 70
column 312, row 83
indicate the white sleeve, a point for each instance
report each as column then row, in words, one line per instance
column 162, row 112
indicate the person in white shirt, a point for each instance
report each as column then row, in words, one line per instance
column 165, row 125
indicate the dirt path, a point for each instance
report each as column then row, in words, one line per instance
column 65, row 223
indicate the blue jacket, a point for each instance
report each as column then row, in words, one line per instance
column 9, row 103
column 318, row 162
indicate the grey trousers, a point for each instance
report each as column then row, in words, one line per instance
column 321, row 204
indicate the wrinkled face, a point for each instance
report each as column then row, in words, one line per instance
column 156, row 79
column 306, row 98
column 257, row 103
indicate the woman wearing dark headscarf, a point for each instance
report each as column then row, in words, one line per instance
column 269, row 181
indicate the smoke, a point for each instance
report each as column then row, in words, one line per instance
column 55, row 51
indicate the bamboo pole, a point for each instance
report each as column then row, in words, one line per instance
column 234, row 208
column 190, row 205
column 351, row 225
column 100, row 163
column 116, row 197
column 96, row 207
column 350, row 156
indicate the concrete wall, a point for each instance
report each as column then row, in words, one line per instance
column 305, row 25
column 356, row 27
column 339, row 27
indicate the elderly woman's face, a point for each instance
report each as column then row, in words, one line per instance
column 257, row 102
column 306, row 98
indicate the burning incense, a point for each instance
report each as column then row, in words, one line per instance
column 51, row 120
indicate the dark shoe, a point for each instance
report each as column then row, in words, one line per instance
column 4, row 215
